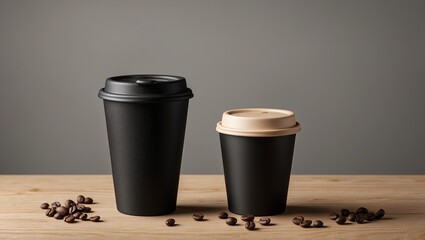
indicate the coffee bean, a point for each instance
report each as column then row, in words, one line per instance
column 264, row 221
column 73, row 209
column 69, row 219
column 352, row 217
column 333, row 216
column 80, row 207
column 58, row 215
column 305, row 223
column 341, row 220
column 77, row 215
column 360, row 218
column 317, row 224
column 84, row 217
column 231, row 221
column 298, row 220
column 250, row 225
column 50, row 212
column 80, row 199
column 87, row 209
column 198, row 216
column 362, row 210
column 95, row 219
column 44, row 206
column 62, row 210
column 247, row 218
column 380, row 213
column 170, row 222
column 55, row 204
column 69, row 203
column 370, row 216
column 345, row 212
column 88, row 200
column 223, row 215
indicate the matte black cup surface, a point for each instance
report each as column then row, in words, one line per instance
column 257, row 172
column 146, row 135
column 257, row 146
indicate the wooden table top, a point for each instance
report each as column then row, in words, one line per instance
column 314, row 197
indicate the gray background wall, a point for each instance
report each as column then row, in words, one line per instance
column 354, row 72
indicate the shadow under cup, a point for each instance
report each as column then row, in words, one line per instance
column 257, row 147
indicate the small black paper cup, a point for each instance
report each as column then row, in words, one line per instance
column 257, row 147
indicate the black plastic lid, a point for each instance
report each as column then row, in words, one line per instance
column 145, row 88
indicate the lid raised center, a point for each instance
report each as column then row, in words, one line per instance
column 257, row 114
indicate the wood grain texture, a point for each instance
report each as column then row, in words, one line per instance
column 403, row 198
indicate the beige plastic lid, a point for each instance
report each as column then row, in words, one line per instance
column 258, row 122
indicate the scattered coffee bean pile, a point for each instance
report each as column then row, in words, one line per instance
column 247, row 218
column 249, row 221
column 71, row 210
column 305, row 223
column 359, row 216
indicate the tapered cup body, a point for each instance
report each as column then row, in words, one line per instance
column 257, row 171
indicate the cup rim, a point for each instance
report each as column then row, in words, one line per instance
column 259, row 133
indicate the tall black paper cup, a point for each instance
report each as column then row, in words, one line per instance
column 146, row 120
column 257, row 146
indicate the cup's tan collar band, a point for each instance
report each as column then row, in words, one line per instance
column 258, row 133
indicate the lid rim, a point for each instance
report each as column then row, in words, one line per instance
column 258, row 122
column 144, row 98
column 145, row 84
